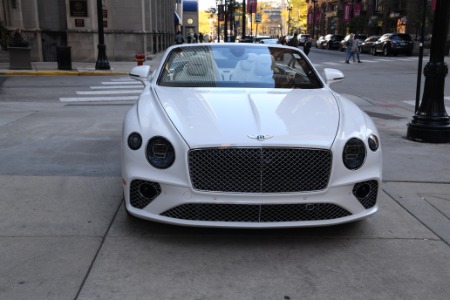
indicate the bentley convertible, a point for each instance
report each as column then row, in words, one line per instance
column 247, row 136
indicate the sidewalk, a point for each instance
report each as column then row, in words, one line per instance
column 79, row 68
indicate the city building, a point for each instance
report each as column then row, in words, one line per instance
column 373, row 17
column 130, row 27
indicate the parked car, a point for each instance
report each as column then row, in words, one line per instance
column 320, row 41
column 393, row 43
column 288, row 38
column 259, row 38
column 225, row 136
column 332, row 41
column 359, row 37
column 270, row 41
column 368, row 43
column 301, row 39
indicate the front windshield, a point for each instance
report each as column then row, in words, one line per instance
column 238, row 65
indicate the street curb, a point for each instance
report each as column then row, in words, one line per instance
column 61, row 73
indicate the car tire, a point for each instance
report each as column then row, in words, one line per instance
column 386, row 51
column 409, row 53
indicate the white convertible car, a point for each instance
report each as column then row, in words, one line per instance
column 247, row 136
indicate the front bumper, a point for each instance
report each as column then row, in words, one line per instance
column 183, row 206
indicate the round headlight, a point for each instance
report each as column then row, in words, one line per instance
column 160, row 152
column 373, row 142
column 354, row 154
column 134, row 141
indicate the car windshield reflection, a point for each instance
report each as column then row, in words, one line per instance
column 250, row 66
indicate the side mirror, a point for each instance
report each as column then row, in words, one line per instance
column 141, row 73
column 333, row 76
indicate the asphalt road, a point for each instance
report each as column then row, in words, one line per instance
column 64, row 233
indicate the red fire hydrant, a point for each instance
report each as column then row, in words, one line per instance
column 140, row 58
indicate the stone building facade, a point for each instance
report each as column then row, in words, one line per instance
column 130, row 27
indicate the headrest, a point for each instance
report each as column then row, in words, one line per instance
column 198, row 65
column 264, row 65
column 247, row 64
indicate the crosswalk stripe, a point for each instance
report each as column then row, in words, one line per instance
column 94, row 99
column 123, row 79
column 108, row 92
column 116, row 87
column 373, row 60
column 331, row 63
column 120, row 82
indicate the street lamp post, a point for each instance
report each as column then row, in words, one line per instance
column 219, row 12
column 431, row 124
column 244, row 17
column 102, row 61
column 314, row 19
column 225, row 26
column 289, row 19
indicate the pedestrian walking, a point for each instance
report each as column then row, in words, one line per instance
column 189, row 38
column 355, row 50
column 349, row 54
column 307, row 46
column 294, row 43
column 179, row 38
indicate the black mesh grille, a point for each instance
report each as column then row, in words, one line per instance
column 259, row 170
column 371, row 199
column 256, row 213
column 136, row 198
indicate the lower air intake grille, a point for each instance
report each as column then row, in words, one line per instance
column 143, row 192
column 259, row 170
column 369, row 199
column 256, row 213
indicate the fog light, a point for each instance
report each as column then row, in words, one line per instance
column 148, row 191
column 362, row 191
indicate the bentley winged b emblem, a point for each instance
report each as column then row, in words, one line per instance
column 261, row 137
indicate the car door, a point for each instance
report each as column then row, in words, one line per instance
column 378, row 45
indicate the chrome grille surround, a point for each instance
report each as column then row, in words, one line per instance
column 256, row 213
column 259, row 169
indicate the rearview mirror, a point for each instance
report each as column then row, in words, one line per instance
column 141, row 73
column 333, row 76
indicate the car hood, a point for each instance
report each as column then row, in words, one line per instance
column 212, row 117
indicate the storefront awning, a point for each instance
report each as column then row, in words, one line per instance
column 176, row 18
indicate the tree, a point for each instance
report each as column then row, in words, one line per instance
column 206, row 21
